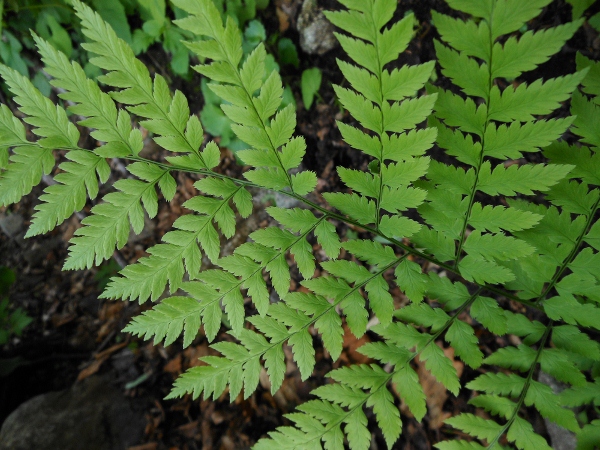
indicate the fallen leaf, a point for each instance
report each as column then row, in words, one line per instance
column 173, row 366
column 148, row 446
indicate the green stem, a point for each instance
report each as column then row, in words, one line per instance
column 523, row 394
column 463, row 233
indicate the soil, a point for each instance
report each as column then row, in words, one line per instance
column 75, row 334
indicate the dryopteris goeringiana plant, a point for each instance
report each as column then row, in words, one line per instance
column 499, row 227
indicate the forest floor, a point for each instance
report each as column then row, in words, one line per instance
column 75, row 335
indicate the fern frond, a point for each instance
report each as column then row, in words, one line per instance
column 458, row 213
column 167, row 116
column 341, row 404
column 78, row 181
column 540, row 252
column 111, row 126
column 518, row 105
column 378, row 100
column 30, row 161
column 273, row 152
column 150, row 275
column 289, row 321
column 108, row 225
column 167, row 320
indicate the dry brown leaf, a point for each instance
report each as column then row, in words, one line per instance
column 173, row 366
column 284, row 20
column 90, row 370
column 189, row 430
column 148, row 446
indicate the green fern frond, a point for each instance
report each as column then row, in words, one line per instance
column 108, row 226
column 168, row 262
column 30, row 161
column 167, row 115
column 379, row 102
column 255, row 118
column 341, row 404
column 78, row 181
column 12, row 134
column 492, row 227
column 97, row 108
column 167, row 320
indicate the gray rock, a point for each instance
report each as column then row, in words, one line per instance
column 316, row 32
column 12, row 226
column 92, row 415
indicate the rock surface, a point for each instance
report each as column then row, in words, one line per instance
column 316, row 32
column 92, row 415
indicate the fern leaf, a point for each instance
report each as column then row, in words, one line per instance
column 77, row 182
column 475, row 426
column 50, row 122
column 436, row 242
column 558, row 364
column 12, row 134
column 459, row 112
column 167, row 116
column 572, row 312
column 532, row 49
column 538, row 98
column 356, row 429
column 581, row 395
column 461, row 337
column 506, row 17
column 518, row 358
column 304, row 353
column 451, row 295
column 523, row 179
column 588, row 436
column 489, row 314
column 167, row 320
column 388, row 416
column 424, row 315
column 467, row 37
column 482, row 271
column 111, row 126
column 499, row 406
column 371, row 252
column 108, row 226
column 411, row 280
column 441, row 367
column 509, row 142
column 28, row 164
column 150, row 275
column 478, row 9
column 522, row 434
column 353, row 205
column 474, row 79
column 251, row 114
column 498, row 383
column 496, row 247
column 495, row 218
column 411, row 391
column 572, row 339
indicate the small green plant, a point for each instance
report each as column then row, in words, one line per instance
column 511, row 246
column 310, row 84
column 12, row 323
